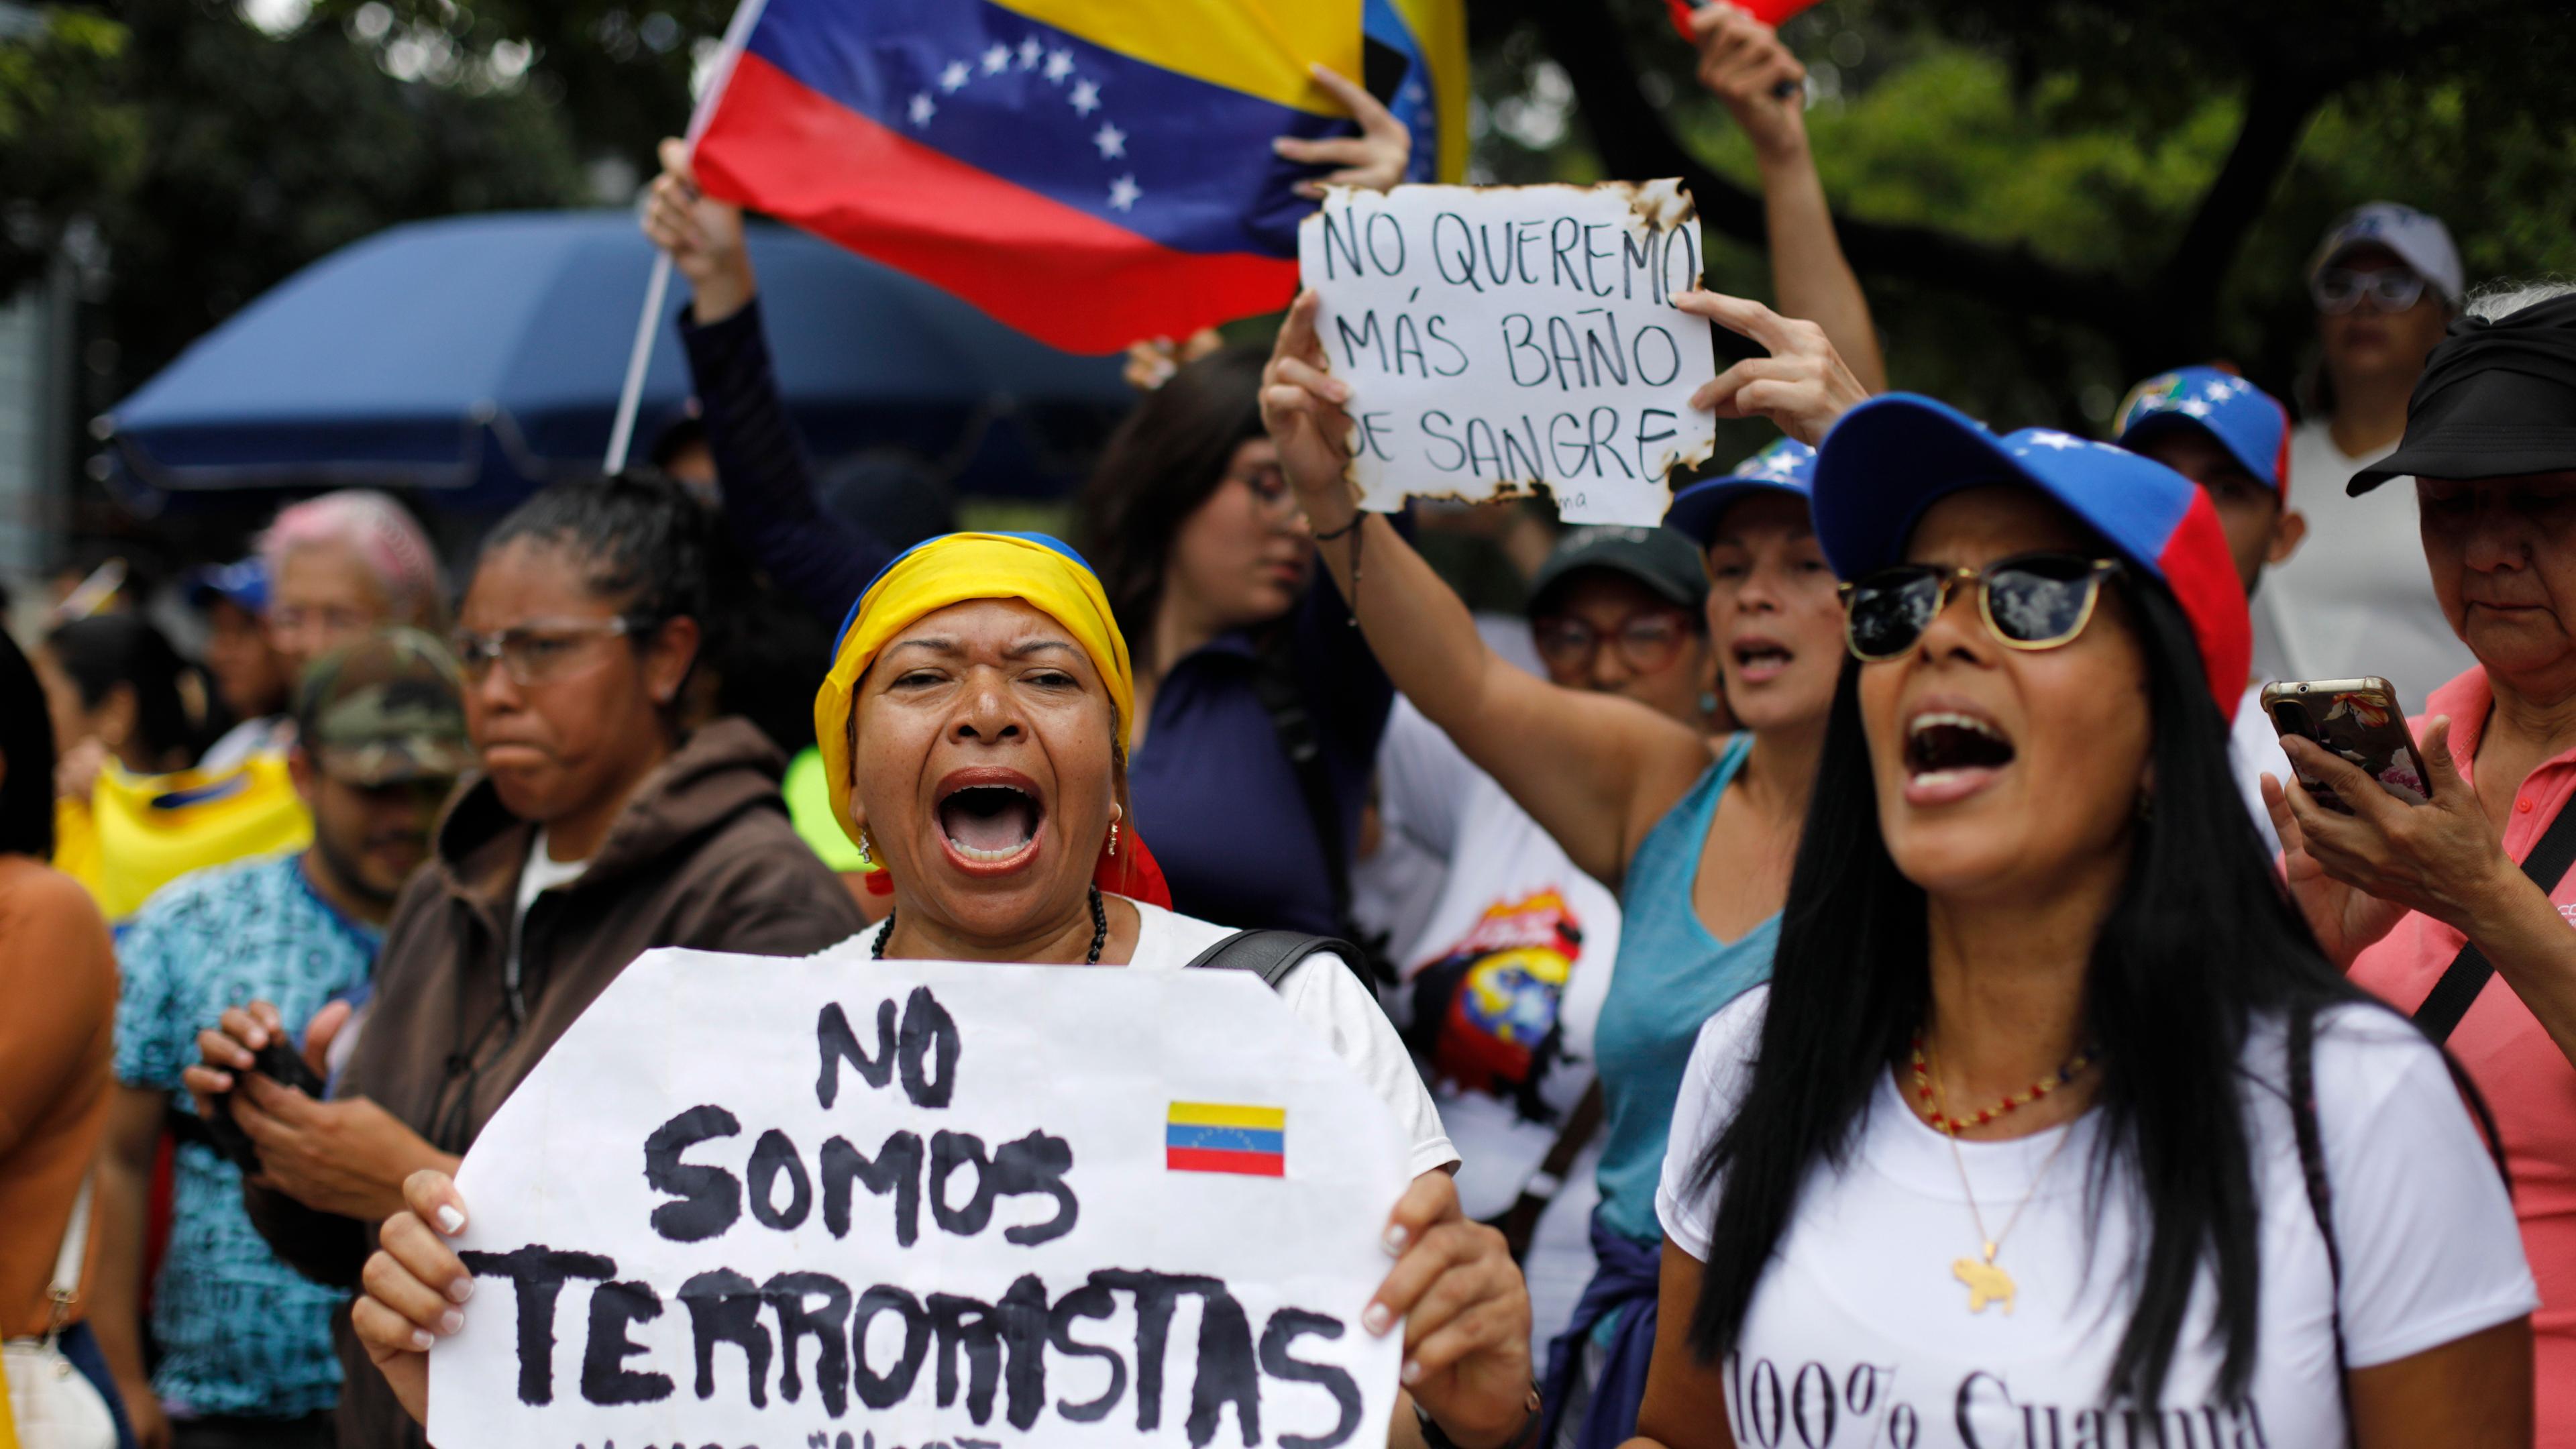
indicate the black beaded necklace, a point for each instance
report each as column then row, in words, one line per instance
column 1099, row 931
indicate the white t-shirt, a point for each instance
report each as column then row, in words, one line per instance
column 2254, row 750
column 2357, row 598
column 1326, row 995
column 1531, row 940
column 1861, row 1295
column 542, row 873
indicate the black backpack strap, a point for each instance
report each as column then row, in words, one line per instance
column 2467, row 974
column 1274, row 683
column 2312, row 1168
column 1268, row 954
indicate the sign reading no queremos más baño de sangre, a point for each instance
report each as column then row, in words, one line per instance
column 835, row 1202
column 1497, row 338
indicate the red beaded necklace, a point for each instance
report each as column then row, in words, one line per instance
column 1929, row 1104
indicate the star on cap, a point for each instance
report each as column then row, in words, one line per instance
column 2048, row 438
column 1111, row 141
column 1123, row 193
column 997, row 60
column 1059, row 65
column 923, row 109
column 954, row 77
column 1030, row 50
column 1086, row 97
column 2197, row 407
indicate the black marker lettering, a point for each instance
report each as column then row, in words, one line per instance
column 1457, row 450
column 724, row 1307
column 836, row 1043
column 1564, row 234
column 928, row 1032
column 1599, row 358
column 605, row 1379
column 709, row 1197
column 1023, row 1315
column 1395, row 229
column 1592, row 254
column 1601, row 440
column 1368, row 335
column 897, row 1169
column 771, row 1157
column 1464, row 256
column 1408, row 342
column 1092, row 1300
column 1285, row 1328
column 787, row 1294
column 1431, row 329
column 884, row 1391
column 1226, row 1373
column 1338, row 233
column 966, row 1323
column 538, row 1273
column 1566, row 356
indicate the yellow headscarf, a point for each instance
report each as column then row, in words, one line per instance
column 955, row 568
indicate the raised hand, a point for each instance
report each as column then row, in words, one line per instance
column 1743, row 63
column 703, row 236
column 1376, row 158
column 416, row 1288
column 1802, row 387
column 1301, row 406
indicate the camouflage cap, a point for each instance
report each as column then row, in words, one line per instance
column 384, row 711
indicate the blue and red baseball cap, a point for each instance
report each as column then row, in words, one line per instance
column 242, row 583
column 2245, row 420
column 1890, row 458
column 1787, row 466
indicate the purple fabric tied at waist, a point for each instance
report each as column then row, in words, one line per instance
column 1623, row 1284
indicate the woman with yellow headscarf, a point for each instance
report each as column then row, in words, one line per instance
column 973, row 729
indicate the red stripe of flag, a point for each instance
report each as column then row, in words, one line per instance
column 775, row 144
column 1210, row 1159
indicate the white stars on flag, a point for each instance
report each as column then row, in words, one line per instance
column 997, row 60
column 1111, row 141
column 1059, row 65
column 922, row 109
column 1086, row 97
column 1123, row 194
column 954, row 78
column 1030, row 50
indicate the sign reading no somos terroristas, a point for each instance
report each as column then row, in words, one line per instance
column 1500, row 338
column 838, row 1203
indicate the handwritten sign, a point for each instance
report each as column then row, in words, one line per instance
column 837, row 1203
column 1497, row 339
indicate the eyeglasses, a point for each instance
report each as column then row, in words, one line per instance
column 2390, row 289
column 1270, row 489
column 1645, row 642
column 2030, row 601
column 536, row 652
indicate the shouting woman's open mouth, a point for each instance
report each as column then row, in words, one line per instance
column 989, row 818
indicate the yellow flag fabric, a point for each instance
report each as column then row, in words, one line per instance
column 137, row 833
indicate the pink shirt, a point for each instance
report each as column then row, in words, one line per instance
column 2527, row 1081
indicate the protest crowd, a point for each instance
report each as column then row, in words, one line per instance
column 2158, row 1060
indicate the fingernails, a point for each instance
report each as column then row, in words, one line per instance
column 1337, row 390
column 1377, row 1320
column 1412, row 1372
column 1396, row 1237
column 450, row 1221
column 1279, row 145
column 1676, row 298
column 421, row 1340
column 461, row 1289
column 451, row 1322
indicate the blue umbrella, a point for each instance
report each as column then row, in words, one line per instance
column 483, row 355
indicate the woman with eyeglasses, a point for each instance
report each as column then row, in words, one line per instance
column 603, row 824
column 2356, row 599
column 2064, row 1131
column 1694, row 833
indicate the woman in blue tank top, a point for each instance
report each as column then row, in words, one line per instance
column 1697, row 835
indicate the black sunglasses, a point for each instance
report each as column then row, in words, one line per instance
column 2029, row 601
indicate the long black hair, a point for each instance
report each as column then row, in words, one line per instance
column 26, row 758
column 104, row 651
column 2168, row 1005
column 642, row 543
column 1165, row 460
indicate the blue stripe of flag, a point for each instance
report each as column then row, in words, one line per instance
column 1225, row 1139
column 1198, row 153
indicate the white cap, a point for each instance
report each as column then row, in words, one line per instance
column 2418, row 238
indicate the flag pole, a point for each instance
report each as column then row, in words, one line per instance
column 630, row 397
column 622, row 432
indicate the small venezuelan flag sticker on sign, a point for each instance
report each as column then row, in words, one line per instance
column 1221, row 1137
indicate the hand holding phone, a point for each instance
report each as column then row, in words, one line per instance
column 2358, row 721
column 280, row 1063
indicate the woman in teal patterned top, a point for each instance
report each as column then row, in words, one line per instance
column 1700, row 848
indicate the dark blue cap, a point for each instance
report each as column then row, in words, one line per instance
column 1787, row 466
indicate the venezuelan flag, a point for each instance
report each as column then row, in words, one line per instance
column 1088, row 171
column 1222, row 1137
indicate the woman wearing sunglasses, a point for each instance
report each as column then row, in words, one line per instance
column 1696, row 834
column 2065, row 1132
column 604, row 823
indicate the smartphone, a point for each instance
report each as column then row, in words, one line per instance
column 2358, row 719
column 278, row 1062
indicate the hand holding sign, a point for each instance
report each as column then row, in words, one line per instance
column 1801, row 387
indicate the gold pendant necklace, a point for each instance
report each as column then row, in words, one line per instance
column 1987, row 1282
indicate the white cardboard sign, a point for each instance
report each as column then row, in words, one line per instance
column 837, row 1203
column 1498, row 338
